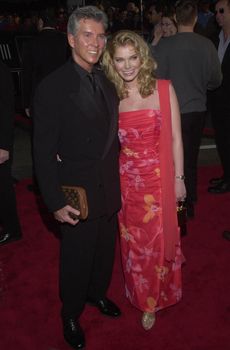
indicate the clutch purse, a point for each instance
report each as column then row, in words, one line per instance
column 76, row 198
column 182, row 218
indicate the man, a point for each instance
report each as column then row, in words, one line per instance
column 76, row 143
column 11, row 230
column 204, row 13
column 190, row 61
column 72, row 4
column 220, row 101
column 154, row 15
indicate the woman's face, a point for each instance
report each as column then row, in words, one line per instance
column 168, row 27
column 127, row 63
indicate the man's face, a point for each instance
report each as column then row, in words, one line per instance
column 88, row 43
column 222, row 12
column 153, row 16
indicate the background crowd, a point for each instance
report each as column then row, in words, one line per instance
column 134, row 15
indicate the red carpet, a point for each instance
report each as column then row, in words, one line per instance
column 22, row 121
column 29, row 304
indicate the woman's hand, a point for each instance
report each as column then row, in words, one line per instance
column 157, row 34
column 180, row 190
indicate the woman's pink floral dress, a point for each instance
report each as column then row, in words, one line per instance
column 151, row 282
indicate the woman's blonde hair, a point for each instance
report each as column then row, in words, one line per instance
column 146, row 77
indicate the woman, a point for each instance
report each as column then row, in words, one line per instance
column 151, row 148
column 167, row 26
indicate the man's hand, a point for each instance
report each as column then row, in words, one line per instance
column 62, row 215
column 4, row 156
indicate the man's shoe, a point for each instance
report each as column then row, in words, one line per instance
column 106, row 307
column 216, row 180
column 73, row 333
column 8, row 237
column 226, row 235
column 222, row 187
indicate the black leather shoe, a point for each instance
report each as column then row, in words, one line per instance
column 8, row 237
column 226, row 235
column 106, row 307
column 222, row 187
column 216, row 181
column 73, row 333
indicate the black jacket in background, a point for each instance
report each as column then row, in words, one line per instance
column 42, row 55
column 6, row 108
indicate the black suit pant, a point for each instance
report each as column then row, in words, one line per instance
column 86, row 262
column 192, row 126
column 8, row 209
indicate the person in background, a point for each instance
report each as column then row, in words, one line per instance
column 168, row 26
column 11, row 230
column 76, row 144
column 72, row 4
column 42, row 55
column 191, row 62
column 153, row 15
column 3, row 19
column 204, row 13
column 151, row 173
column 220, row 101
column 62, row 19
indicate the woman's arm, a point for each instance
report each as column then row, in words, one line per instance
column 157, row 34
column 177, row 145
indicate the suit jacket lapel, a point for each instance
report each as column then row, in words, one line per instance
column 226, row 56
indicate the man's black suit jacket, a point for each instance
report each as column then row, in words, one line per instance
column 221, row 95
column 68, row 123
column 6, row 108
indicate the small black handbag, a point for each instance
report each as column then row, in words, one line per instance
column 182, row 218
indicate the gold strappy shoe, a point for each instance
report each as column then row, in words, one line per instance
column 148, row 320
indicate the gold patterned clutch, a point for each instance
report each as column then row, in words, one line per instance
column 76, row 198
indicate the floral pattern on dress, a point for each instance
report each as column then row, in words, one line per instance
column 151, row 283
column 150, row 207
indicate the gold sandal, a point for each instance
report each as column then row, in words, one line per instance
column 148, row 320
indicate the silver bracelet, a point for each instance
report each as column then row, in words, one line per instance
column 180, row 177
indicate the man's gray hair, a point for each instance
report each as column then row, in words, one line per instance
column 86, row 12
